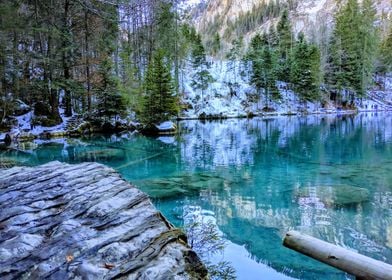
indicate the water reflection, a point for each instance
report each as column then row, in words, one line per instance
column 330, row 177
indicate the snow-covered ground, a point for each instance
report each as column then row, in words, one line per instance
column 230, row 95
column 24, row 125
column 242, row 100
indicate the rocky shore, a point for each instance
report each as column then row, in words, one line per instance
column 61, row 221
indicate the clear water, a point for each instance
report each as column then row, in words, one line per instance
column 330, row 177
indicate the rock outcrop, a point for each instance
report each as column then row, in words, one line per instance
column 61, row 221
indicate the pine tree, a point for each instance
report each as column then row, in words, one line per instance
column 160, row 102
column 216, row 44
column 285, row 45
column 202, row 77
column 110, row 100
column 385, row 53
column 263, row 75
column 334, row 71
column 369, row 42
column 352, row 48
column 305, row 69
column 234, row 56
column 130, row 87
column 273, row 38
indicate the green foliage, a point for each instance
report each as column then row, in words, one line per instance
column 257, row 16
column 263, row 60
column 352, row 48
column 130, row 87
column 159, row 102
column 369, row 42
column 215, row 44
column 205, row 239
column 285, row 44
column 305, row 72
column 202, row 77
column 110, row 101
column 234, row 56
column 385, row 57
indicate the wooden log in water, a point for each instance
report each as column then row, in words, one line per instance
column 353, row 263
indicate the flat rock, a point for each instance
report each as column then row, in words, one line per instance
column 61, row 221
column 334, row 195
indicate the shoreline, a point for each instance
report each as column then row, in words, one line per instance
column 46, row 134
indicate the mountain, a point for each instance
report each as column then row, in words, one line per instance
column 232, row 19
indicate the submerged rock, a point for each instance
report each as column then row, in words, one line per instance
column 333, row 196
column 62, row 221
column 101, row 155
column 185, row 184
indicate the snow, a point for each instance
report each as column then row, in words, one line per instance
column 218, row 101
column 167, row 139
column 168, row 125
column 2, row 136
column 24, row 125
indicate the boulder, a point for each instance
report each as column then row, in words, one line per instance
column 20, row 108
column 165, row 128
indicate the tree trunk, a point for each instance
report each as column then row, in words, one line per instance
column 87, row 54
column 66, row 67
column 353, row 263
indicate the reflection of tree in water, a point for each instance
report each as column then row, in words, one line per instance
column 290, row 156
column 262, row 177
column 206, row 240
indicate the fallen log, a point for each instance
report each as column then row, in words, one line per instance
column 351, row 262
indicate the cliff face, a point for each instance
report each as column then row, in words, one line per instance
column 313, row 17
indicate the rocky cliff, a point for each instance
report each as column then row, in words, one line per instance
column 313, row 17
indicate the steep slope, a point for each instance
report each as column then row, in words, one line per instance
column 232, row 18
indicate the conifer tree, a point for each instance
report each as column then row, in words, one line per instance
column 369, row 42
column 216, row 44
column 273, row 38
column 110, row 100
column 234, row 55
column 130, row 87
column 305, row 71
column 263, row 75
column 352, row 48
column 385, row 53
column 160, row 102
column 333, row 70
column 202, row 77
column 285, row 46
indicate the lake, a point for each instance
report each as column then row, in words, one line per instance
column 327, row 176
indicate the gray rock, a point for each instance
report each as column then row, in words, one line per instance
column 61, row 221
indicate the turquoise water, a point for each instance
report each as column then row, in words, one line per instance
column 327, row 176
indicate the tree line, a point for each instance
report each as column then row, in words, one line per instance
column 102, row 59
column 89, row 57
column 355, row 54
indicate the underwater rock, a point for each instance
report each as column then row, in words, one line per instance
column 101, row 155
column 8, row 162
column 334, row 195
column 185, row 184
column 61, row 221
